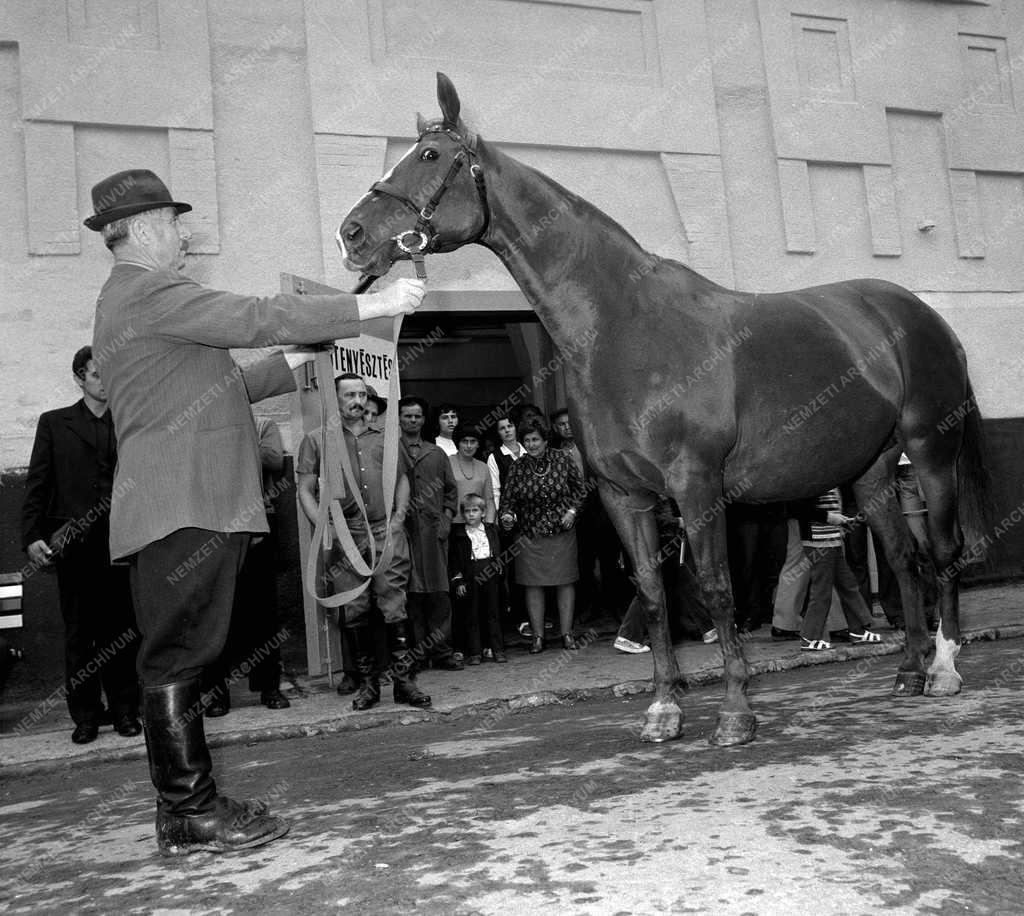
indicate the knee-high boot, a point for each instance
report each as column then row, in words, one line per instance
column 190, row 815
column 368, row 694
column 403, row 669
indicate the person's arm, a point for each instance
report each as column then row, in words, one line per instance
column 489, row 507
column 39, row 484
column 267, row 377
column 271, row 447
column 402, row 491
column 181, row 309
column 307, row 496
column 510, row 508
column 492, row 467
column 577, row 491
column 307, row 472
column 450, row 497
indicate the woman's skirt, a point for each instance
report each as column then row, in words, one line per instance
column 547, row 560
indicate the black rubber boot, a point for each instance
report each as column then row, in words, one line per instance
column 368, row 694
column 190, row 815
column 403, row 669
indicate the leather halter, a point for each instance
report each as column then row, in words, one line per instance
column 425, row 237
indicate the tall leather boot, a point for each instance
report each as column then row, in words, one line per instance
column 190, row 815
column 368, row 694
column 403, row 669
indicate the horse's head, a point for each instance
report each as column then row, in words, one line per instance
column 432, row 200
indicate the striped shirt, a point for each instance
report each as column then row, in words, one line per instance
column 822, row 533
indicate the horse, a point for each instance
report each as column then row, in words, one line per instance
column 684, row 388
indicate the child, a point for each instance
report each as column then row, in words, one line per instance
column 822, row 536
column 476, row 579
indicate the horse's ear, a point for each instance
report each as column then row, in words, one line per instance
column 448, row 99
column 421, row 124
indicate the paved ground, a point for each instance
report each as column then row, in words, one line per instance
column 37, row 733
column 849, row 802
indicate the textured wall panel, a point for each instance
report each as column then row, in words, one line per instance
column 699, row 194
column 574, row 41
column 970, row 236
column 345, row 169
column 882, row 214
column 93, row 22
column 797, row 209
column 193, row 177
column 52, row 190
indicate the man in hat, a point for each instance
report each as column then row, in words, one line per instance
column 187, row 446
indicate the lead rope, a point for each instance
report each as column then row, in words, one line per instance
column 338, row 473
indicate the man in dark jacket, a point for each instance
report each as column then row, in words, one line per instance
column 68, row 490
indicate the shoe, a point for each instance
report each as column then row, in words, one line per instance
column 404, row 689
column 85, row 734
column 814, row 645
column 525, row 630
column 368, row 694
column 127, row 725
column 569, row 643
column 348, row 684
column 190, row 816
column 500, row 657
column 709, row 637
column 488, row 655
column 865, row 637
column 629, row 647
column 473, row 660
column 538, row 645
column 274, row 699
column 839, row 635
column 216, row 709
column 778, row 634
column 229, row 826
column 449, row 664
column 458, row 657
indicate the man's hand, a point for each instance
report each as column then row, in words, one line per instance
column 397, row 523
column 569, row 519
column 39, row 553
column 507, row 520
column 401, row 298
column 460, row 590
column 839, row 520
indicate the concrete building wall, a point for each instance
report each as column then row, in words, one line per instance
column 768, row 143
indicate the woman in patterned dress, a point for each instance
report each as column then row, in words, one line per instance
column 541, row 498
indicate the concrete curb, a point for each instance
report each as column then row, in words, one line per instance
column 490, row 712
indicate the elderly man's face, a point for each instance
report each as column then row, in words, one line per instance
column 563, row 427
column 166, row 238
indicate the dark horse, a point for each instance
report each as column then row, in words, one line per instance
column 684, row 388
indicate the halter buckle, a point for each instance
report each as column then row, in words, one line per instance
column 399, row 240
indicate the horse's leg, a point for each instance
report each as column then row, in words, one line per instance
column 707, row 539
column 639, row 535
column 939, row 485
column 876, row 500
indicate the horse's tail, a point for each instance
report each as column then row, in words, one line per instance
column 973, row 482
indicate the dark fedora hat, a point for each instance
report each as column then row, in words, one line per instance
column 127, row 193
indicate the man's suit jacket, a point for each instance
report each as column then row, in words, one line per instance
column 187, row 450
column 63, row 481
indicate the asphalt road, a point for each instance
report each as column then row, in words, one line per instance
column 848, row 802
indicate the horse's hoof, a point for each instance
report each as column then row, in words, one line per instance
column 908, row 684
column 734, row 728
column 663, row 722
column 943, row 684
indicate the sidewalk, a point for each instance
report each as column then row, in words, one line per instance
column 489, row 692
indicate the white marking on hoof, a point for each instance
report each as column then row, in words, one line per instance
column 662, row 722
column 943, row 678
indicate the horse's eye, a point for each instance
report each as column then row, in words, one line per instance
column 428, row 155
